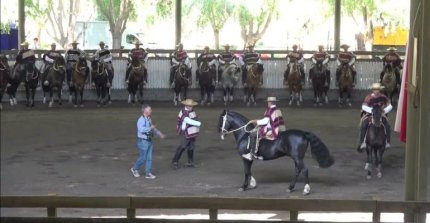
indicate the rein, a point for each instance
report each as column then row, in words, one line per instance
column 225, row 131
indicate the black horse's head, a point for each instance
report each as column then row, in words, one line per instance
column 135, row 61
column 82, row 62
column 388, row 67
column 60, row 61
column 94, row 65
column 231, row 122
column 377, row 115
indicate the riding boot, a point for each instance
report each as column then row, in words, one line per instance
column 327, row 78
column 387, row 132
column 303, row 75
column 127, row 73
column 188, row 75
column 337, row 77
column 171, row 83
column 398, row 79
column 354, row 77
column 190, row 153
column 381, row 77
column 197, row 76
column 145, row 73
column 363, row 130
column 244, row 72
column 286, row 75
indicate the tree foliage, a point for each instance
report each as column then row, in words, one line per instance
column 254, row 22
column 117, row 13
column 213, row 13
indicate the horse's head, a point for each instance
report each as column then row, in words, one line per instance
column 377, row 115
column 231, row 122
column 60, row 61
column 135, row 61
column 4, row 65
column 388, row 67
column 94, row 65
column 82, row 62
column 204, row 66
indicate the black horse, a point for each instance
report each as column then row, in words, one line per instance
column 182, row 80
column 4, row 77
column 99, row 76
column 53, row 78
column 205, row 81
column 293, row 143
column 31, row 81
column 375, row 140
column 389, row 81
column 318, row 74
column 138, row 78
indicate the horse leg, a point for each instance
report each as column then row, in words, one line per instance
column 249, row 182
column 27, row 94
column 348, row 100
column 51, row 97
column 185, row 92
column 81, row 92
column 231, row 93
column 298, row 169
column 379, row 162
column 141, row 93
column 202, row 95
column 254, row 97
column 225, row 98
column 368, row 165
column 291, row 97
column 109, row 93
column 59, row 95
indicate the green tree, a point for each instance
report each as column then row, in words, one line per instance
column 215, row 13
column 117, row 13
column 254, row 23
column 38, row 12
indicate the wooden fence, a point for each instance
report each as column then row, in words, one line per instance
column 210, row 204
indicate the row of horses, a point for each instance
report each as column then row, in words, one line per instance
column 52, row 80
column 54, row 76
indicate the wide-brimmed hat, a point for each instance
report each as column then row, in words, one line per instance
column 295, row 46
column 137, row 42
column 271, row 99
column 25, row 43
column 180, row 45
column 226, row 45
column 75, row 42
column 101, row 43
column 53, row 44
column 206, row 47
column 250, row 46
column 321, row 46
column 392, row 48
column 189, row 102
column 344, row 46
column 376, row 86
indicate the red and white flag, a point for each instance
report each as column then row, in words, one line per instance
column 401, row 116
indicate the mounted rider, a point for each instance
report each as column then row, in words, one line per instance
column 320, row 56
column 211, row 59
column 371, row 100
column 25, row 56
column 72, row 57
column 269, row 127
column 142, row 55
column 177, row 58
column 249, row 58
column 104, row 56
column 49, row 57
column 225, row 58
column 292, row 57
column 345, row 57
column 395, row 60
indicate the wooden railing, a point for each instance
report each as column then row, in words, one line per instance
column 212, row 205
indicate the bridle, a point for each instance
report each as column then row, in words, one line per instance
column 225, row 131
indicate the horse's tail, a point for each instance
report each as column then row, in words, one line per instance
column 319, row 150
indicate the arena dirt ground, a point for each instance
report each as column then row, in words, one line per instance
column 89, row 152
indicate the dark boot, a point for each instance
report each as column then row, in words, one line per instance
column 337, row 77
column 244, row 73
column 302, row 75
column 327, row 77
column 127, row 73
column 363, row 130
column 171, row 83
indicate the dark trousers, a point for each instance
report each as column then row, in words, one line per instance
column 186, row 144
column 353, row 72
column 365, row 125
column 172, row 74
column 145, row 75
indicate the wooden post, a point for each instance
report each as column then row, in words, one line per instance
column 294, row 215
column 178, row 17
column 52, row 212
column 213, row 214
column 21, row 21
column 337, row 9
column 131, row 212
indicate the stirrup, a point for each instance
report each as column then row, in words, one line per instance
column 248, row 156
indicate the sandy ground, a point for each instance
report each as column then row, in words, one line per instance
column 89, row 152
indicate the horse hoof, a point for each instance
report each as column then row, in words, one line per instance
column 290, row 190
column 367, row 166
column 75, row 106
column 110, row 102
column 368, row 177
column 241, row 189
column 379, row 175
column 82, row 105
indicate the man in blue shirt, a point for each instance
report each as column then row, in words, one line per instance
column 145, row 131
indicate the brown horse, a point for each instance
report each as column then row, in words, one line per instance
column 389, row 81
column 4, row 76
column 294, row 83
column 137, row 79
column 79, row 79
column 345, row 84
column 182, row 80
column 253, row 78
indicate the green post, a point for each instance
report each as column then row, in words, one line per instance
column 21, row 21
column 178, row 15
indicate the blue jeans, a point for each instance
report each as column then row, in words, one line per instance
column 145, row 154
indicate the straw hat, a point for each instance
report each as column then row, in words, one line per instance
column 321, row 46
column 271, row 99
column 189, row 102
column 295, row 46
column 206, row 48
column 25, row 43
column 102, row 43
column 180, row 45
column 227, row 46
column 137, row 42
column 250, row 46
column 75, row 42
column 344, row 46
column 53, row 44
column 392, row 48
column 376, row 86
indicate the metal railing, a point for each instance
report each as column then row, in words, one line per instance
column 211, row 204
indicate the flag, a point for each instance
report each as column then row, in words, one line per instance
column 401, row 115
